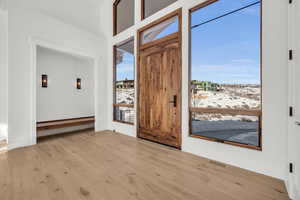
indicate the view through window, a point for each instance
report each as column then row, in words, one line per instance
column 150, row 7
column 226, row 72
column 123, row 15
column 124, row 83
column 161, row 30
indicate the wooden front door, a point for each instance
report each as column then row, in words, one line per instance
column 159, row 82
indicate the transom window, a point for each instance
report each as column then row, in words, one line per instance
column 225, row 79
column 163, row 29
column 124, row 82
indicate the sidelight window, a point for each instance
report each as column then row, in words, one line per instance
column 124, row 94
column 225, row 79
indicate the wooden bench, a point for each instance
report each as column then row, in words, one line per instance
column 64, row 123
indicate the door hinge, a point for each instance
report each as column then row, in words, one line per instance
column 291, row 54
column 291, row 112
column 291, row 168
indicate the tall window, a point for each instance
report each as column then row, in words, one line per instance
column 225, row 84
column 124, row 82
column 123, row 15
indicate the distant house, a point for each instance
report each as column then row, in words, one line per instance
column 204, row 86
column 125, row 84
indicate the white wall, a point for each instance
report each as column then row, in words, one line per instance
column 272, row 160
column 25, row 24
column 61, row 99
column 83, row 14
column 3, row 74
column 3, row 4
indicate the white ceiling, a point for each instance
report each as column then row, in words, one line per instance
column 84, row 14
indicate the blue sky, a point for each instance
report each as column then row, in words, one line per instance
column 172, row 28
column 224, row 51
column 126, row 68
column 227, row 50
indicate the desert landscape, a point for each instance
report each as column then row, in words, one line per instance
column 125, row 96
column 238, row 128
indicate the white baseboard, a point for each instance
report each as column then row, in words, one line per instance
column 2, row 137
column 15, row 144
column 125, row 129
column 297, row 194
column 3, row 132
column 293, row 190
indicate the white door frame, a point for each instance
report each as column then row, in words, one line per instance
column 294, row 192
column 34, row 42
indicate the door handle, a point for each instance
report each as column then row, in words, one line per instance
column 174, row 102
column 297, row 123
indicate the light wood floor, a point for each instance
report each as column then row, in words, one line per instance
column 111, row 166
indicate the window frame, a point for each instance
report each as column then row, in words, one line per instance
column 115, row 14
column 115, row 5
column 192, row 109
column 115, row 105
column 143, row 10
column 177, row 12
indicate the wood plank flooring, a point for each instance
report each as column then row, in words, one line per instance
column 111, row 166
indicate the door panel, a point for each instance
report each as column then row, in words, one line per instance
column 160, row 93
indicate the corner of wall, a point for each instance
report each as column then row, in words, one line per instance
column 3, row 73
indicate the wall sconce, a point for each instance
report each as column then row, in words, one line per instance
column 44, row 81
column 78, row 83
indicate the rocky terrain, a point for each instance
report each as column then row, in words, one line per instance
column 125, row 96
column 231, row 97
column 238, row 128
